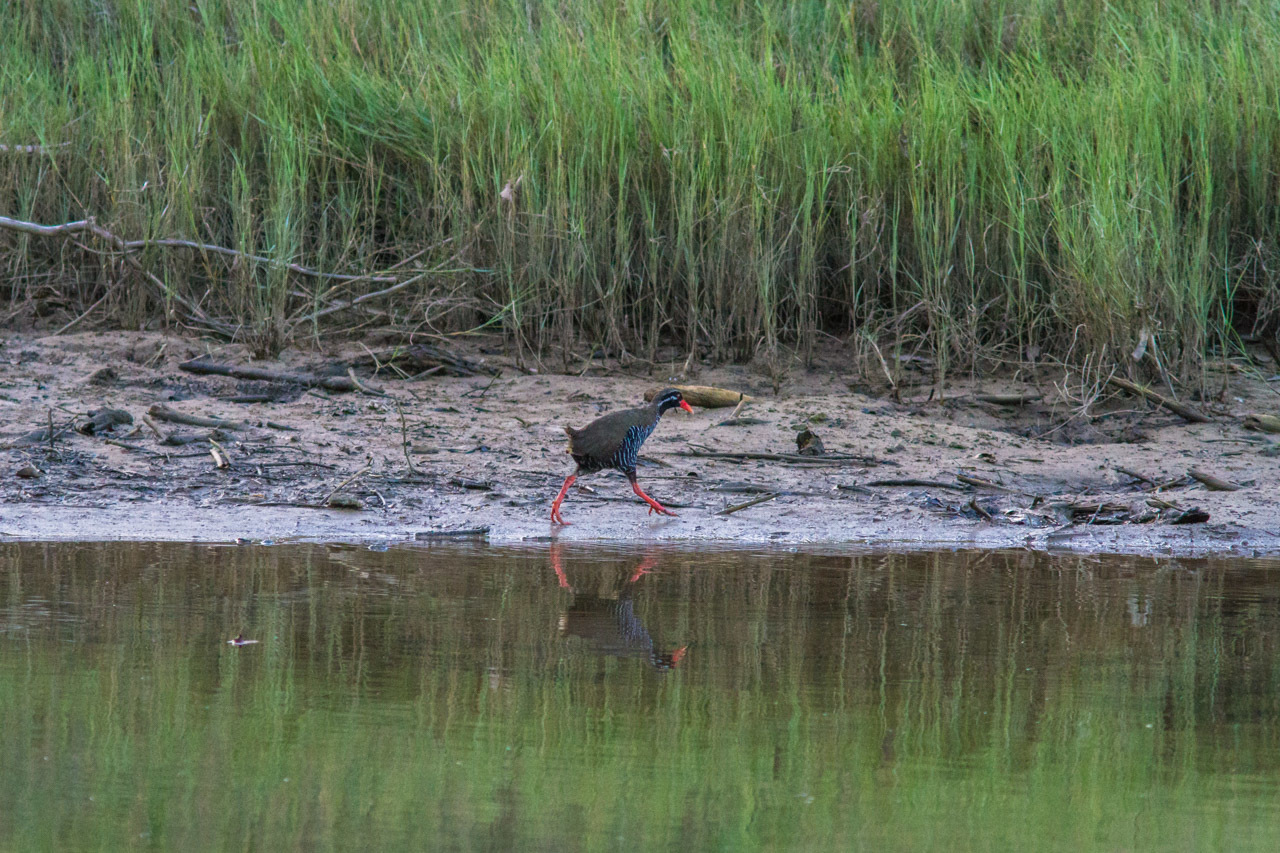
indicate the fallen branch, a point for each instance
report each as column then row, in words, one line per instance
column 913, row 482
column 310, row 380
column 221, row 459
column 120, row 245
column 795, row 458
column 404, row 440
column 739, row 507
column 361, row 387
column 1177, row 408
column 357, row 475
column 1129, row 472
column 1212, row 483
column 164, row 413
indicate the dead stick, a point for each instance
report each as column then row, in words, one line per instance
column 151, row 425
column 310, row 380
column 825, row 459
column 1160, row 400
column 911, row 481
column 738, row 507
column 52, row 432
column 72, row 324
column 346, row 483
column 404, row 439
column 1214, row 484
column 221, row 458
column 977, row 507
column 164, row 413
column 129, row 246
column 361, row 387
column 979, row 482
column 1128, row 472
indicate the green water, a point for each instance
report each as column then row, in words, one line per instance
column 459, row 699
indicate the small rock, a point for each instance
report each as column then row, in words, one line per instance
column 27, row 472
column 345, row 502
column 103, row 420
column 808, row 443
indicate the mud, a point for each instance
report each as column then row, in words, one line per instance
column 489, row 451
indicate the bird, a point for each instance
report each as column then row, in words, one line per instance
column 613, row 441
column 611, row 626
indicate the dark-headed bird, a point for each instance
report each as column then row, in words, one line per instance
column 613, row 441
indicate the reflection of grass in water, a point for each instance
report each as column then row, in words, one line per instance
column 892, row 703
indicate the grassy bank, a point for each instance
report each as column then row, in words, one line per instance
column 976, row 177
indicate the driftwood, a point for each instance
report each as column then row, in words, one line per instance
column 1262, row 423
column 310, row 380
column 1177, row 408
column 705, row 396
column 160, row 411
column 1212, row 483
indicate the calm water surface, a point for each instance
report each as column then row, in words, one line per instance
column 575, row 699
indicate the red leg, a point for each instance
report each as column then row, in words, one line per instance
column 646, row 565
column 555, row 564
column 555, row 505
column 654, row 506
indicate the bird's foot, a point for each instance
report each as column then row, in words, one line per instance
column 660, row 510
column 556, row 519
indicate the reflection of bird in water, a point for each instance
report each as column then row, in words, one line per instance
column 610, row 626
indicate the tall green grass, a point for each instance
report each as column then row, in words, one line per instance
column 965, row 176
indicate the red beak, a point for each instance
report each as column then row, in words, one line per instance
column 684, row 405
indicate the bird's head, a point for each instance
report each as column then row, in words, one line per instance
column 669, row 399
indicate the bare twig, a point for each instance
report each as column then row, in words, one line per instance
column 1129, row 472
column 52, row 432
column 745, row 504
column 404, row 439
column 221, row 458
column 151, row 425
column 73, row 323
column 361, row 387
column 912, row 481
column 357, row 475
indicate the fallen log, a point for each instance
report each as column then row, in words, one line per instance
column 310, row 380
column 1262, row 423
column 705, row 396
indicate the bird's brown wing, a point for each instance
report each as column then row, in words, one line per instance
column 600, row 438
